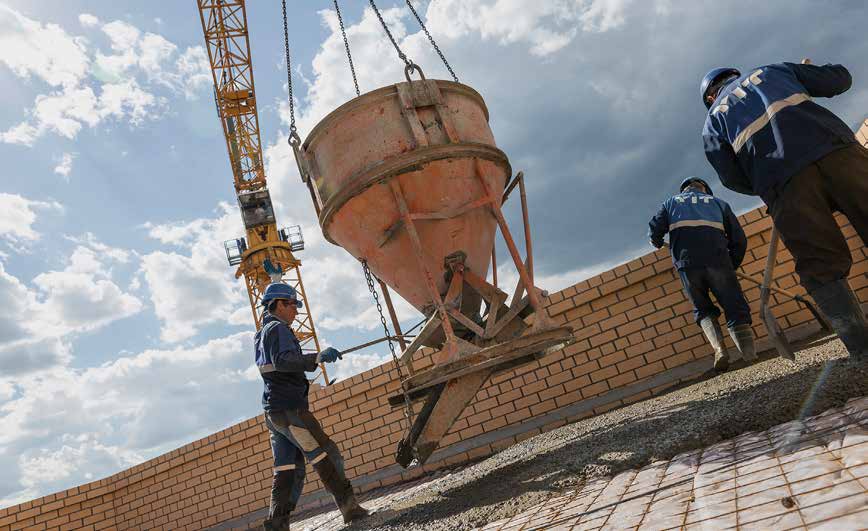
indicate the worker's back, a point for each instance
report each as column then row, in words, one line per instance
column 700, row 229
column 767, row 119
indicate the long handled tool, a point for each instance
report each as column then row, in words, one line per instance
column 369, row 344
column 779, row 340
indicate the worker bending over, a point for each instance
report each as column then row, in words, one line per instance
column 707, row 245
column 765, row 136
column 296, row 436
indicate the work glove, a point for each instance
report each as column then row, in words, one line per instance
column 329, row 355
column 656, row 244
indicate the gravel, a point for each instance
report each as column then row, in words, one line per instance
column 752, row 398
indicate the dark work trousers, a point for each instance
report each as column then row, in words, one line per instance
column 296, row 437
column 699, row 281
column 803, row 214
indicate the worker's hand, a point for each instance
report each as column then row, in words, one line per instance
column 656, row 245
column 329, row 355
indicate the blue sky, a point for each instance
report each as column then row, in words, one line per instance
column 123, row 333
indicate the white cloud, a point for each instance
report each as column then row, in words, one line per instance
column 92, row 85
column 197, row 287
column 87, row 20
column 37, row 325
column 44, row 51
column 17, row 216
column 64, row 167
column 65, row 426
column 546, row 27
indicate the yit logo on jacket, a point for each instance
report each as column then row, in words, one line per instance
column 739, row 93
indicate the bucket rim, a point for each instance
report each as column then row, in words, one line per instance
column 382, row 93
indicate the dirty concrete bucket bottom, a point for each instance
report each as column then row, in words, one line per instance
column 450, row 386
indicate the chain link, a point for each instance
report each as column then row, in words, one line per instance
column 347, row 48
column 401, row 55
column 293, row 131
column 431, row 40
column 408, row 406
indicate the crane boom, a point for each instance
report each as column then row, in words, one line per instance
column 224, row 23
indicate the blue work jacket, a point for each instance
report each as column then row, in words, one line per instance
column 703, row 231
column 764, row 127
column 282, row 365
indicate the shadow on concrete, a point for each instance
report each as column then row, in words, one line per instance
column 689, row 417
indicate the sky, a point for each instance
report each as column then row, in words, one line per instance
column 123, row 332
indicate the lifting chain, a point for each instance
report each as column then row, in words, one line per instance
column 294, row 139
column 408, row 406
column 347, row 47
column 409, row 65
column 431, row 40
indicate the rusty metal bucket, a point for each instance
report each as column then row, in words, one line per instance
column 408, row 179
column 428, row 139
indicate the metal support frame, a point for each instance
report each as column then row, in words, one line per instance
column 502, row 340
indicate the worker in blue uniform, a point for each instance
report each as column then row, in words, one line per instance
column 707, row 245
column 296, row 436
column 766, row 136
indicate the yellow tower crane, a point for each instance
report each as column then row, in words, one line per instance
column 266, row 254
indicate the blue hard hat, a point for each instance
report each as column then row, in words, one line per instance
column 280, row 291
column 686, row 182
column 712, row 77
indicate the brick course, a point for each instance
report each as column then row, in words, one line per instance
column 635, row 338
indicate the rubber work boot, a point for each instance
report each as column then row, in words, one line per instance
column 742, row 335
column 714, row 334
column 841, row 307
column 341, row 490
column 276, row 524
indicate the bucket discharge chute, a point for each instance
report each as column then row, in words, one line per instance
column 408, row 179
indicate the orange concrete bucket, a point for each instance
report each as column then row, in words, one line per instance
column 420, row 151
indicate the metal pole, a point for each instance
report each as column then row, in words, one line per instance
column 396, row 326
column 527, row 241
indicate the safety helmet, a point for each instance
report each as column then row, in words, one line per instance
column 712, row 77
column 280, row 291
column 686, row 182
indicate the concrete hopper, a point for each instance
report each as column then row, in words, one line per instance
column 408, row 179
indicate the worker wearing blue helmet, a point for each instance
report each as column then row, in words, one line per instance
column 707, row 245
column 766, row 136
column 296, row 436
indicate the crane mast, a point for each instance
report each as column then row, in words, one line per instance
column 224, row 23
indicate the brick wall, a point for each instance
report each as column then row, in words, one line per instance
column 635, row 337
column 862, row 133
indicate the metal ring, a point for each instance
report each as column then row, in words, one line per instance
column 410, row 68
column 294, row 139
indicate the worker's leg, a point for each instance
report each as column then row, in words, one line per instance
column 724, row 284
column 846, row 180
column 287, row 479
column 803, row 214
column 695, row 282
column 304, row 430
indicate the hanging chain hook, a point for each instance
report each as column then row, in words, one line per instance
column 294, row 139
column 347, row 47
column 413, row 67
column 431, row 40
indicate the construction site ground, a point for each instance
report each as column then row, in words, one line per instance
column 562, row 478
